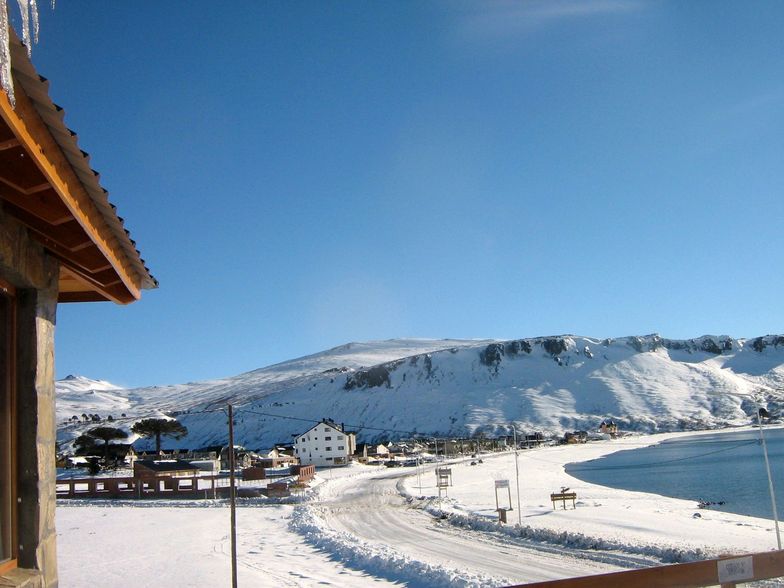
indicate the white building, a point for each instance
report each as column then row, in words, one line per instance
column 325, row 444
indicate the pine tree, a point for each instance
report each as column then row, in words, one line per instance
column 106, row 434
column 159, row 428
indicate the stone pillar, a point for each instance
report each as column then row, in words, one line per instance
column 27, row 266
column 37, row 434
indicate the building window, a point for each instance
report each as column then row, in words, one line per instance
column 328, row 449
column 329, row 459
column 327, row 438
column 340, row 437
column 7, row 430
column 341, row 448
column 326, row 430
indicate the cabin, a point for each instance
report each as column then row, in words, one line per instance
column 325, row 444
column 61, row 242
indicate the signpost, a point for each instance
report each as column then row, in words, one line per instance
column 443, row 480
column 502, row 510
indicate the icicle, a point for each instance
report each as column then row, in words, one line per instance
column 29, row 11
column 34, row 16
column 5, row 54
column 24, row 9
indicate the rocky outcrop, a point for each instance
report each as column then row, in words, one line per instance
column 373, row 377
column 492, row 355
column 517, row 347
column 760, row 343
column 554, row 345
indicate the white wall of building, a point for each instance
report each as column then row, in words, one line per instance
column 324, row 445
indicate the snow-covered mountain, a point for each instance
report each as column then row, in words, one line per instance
column 391, row 389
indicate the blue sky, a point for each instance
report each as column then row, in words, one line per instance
column 303, row 174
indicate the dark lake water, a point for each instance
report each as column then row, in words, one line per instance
column 724, row 467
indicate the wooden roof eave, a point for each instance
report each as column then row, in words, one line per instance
column 47, row 184
column 27, row 126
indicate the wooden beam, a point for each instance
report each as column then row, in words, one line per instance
column 38, row 188
column 116, row 293
column 769, row 564
column 9, row 144
column 89, row 296
column 69, row 238
column 27, row 126
column 45, row 206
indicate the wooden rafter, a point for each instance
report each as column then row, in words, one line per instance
column 44, row 205
column 9, row 144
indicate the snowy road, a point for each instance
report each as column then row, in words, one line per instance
column 374, row 513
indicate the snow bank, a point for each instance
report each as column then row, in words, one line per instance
column 572, row 540
column 381, row 560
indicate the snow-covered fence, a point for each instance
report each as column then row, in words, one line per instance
column 160, row 487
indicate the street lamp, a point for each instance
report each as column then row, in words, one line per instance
column 770, row 478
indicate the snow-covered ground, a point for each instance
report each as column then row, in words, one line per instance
column 188, row 545
column 366, row 525
column 668, row 528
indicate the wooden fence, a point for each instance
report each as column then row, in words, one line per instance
column 161, row 487
column 164, row 486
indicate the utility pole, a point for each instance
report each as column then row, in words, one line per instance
column 419, row 475
column 232, row 497
column 517, row 476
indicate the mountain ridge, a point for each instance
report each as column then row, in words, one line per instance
column 451, row 387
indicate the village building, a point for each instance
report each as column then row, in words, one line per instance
column 325, row 444
column 609, row 427
column 366, row 451
column 275, row 458
column 576, row 437
column 61, row 241
column 285, row 449
column 165, row 468
column 242, row 457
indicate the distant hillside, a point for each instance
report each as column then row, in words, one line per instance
column 387, row 389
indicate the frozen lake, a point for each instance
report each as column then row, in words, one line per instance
column 726, row 467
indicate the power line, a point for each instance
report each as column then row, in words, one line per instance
column 352, row 426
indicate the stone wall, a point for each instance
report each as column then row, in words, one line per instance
column 25, row 264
